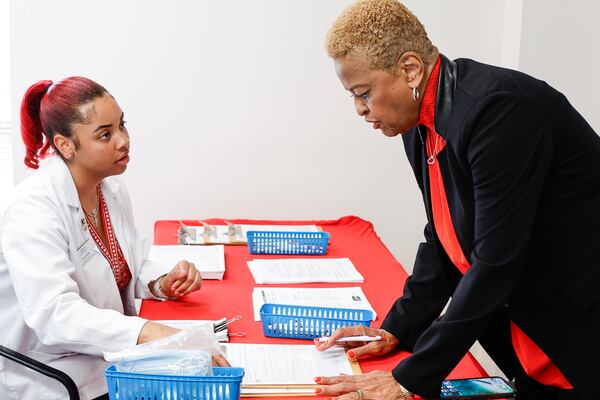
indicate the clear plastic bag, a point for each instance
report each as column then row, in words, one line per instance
column 188, row 352
column 169, row 362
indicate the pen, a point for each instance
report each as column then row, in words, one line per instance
column 353, row 339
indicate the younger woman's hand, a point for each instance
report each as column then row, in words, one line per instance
column 183, row 279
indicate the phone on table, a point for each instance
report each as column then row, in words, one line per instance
column 493, row 387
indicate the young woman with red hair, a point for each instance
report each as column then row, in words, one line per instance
column 71, row 260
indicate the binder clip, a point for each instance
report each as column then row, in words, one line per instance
column 234, row 231
column 223, row 323
column 208, row 231
column 185, row 234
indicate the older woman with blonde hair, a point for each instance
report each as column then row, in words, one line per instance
column 510, row 176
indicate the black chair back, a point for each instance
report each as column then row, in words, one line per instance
column 42, row 369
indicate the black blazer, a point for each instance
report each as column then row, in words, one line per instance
column 521, row 168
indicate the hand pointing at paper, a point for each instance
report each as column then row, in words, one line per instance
column 387, row 343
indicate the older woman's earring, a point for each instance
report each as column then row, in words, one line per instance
column 68, row 156
column 415, row 93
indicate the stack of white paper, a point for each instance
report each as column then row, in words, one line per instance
column 304, row 270
column 208, row 260
column 345, row 297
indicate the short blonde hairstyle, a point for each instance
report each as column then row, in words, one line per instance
column 384, row 29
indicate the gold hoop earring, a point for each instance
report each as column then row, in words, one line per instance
column 415, row 93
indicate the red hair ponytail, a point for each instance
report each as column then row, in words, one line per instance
column 49, row 109
column 36, row 144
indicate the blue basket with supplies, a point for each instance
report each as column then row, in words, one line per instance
column 304, row 322
column 305, row 243
column 224, row 384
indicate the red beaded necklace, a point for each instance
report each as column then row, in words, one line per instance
column 113, row 253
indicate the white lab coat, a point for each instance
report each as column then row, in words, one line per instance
column 59, row 300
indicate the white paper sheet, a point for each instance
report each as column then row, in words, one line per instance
column 209, row 260
column 282, row 364
column 346, row 297
column 190, row 323
column 304, row 270
column 254, row 392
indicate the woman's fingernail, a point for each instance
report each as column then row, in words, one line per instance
column 318, row 379
column 351, row 354
column 318, row 391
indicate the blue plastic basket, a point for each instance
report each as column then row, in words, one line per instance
column 307, row 243
column 303, row 322
column 223, row 385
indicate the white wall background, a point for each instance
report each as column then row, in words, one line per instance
column 234, row 107
column 559, row 44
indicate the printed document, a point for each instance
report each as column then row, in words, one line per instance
column 286, row 365
column 345, row 297
column 304, row 270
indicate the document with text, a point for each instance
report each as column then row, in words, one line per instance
column 284, row 365
column 304, row 270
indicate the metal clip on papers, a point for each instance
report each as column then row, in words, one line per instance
column 234, row 232
column 223, row 323
column 184, row 233
column 208, row 231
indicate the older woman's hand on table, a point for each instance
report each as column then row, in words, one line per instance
column 374, row 385
column 378, row 385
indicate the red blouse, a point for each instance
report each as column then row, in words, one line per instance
column 535, row 362
column 113, row 253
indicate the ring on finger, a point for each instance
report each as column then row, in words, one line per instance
column 359, row 393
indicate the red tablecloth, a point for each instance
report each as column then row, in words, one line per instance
column 351, row 237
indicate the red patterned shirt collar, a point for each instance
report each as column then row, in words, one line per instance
column 427, row 115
